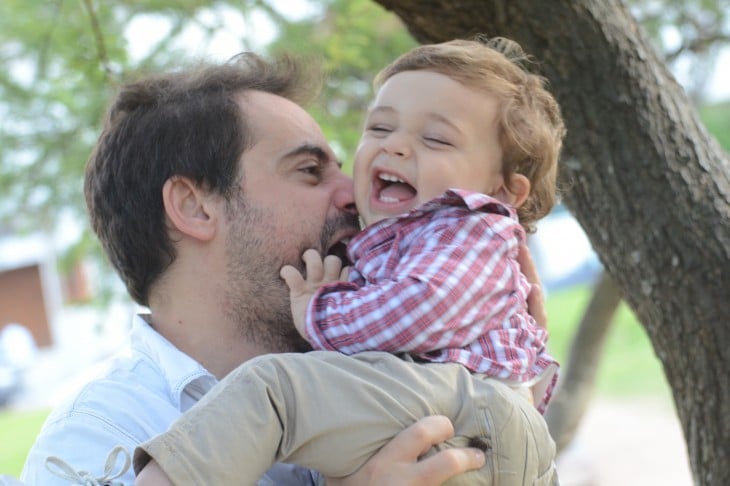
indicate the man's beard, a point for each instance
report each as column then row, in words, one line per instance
column 256, row 297
column 343, row 221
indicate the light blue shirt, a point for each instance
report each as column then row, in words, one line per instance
column 144, row 389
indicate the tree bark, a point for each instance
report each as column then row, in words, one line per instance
column 650, row 187
column 578, row 375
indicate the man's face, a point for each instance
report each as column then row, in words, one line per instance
column 294, row 197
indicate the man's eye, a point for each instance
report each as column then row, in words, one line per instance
column 314, row 169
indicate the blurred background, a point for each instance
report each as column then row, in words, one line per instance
column 62, row 310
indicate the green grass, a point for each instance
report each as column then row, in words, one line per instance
column 716, row 118
column 17, row 433
column 628, row 366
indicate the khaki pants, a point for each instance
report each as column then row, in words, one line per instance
column 331, row 412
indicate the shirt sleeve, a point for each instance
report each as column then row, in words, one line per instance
column 83, row 442
column 449, row 279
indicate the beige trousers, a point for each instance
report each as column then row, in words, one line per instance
column 331, row 412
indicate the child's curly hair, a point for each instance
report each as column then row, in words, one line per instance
column 531, row 126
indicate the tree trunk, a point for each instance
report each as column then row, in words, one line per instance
column 579, row 374
column 650, row 187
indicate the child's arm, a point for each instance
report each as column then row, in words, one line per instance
column 449, row 286
column 301, row 288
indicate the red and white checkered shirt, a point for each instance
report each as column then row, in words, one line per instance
column 442, row 283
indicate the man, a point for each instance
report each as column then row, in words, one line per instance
column 203, row 184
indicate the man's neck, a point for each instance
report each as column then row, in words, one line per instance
column 209, row 339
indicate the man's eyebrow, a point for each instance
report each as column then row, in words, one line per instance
column 315, row 150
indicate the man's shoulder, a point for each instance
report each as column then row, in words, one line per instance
column 126, row 392
column 127, row 404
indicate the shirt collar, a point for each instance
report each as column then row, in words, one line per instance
column 187, row 380
column 387, row 228
column 476, row 201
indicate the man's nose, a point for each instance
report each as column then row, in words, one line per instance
column 344, row 195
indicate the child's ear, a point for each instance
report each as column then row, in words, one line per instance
column 188, row 208
column 515, row 191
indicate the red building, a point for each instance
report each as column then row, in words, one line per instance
column 30, row 290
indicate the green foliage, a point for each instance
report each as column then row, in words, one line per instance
column 717, row 120
column 354, row 40
column 63, row 60
column 688, row 33
column 45, row 119
column 628, row 366
column 679, row 26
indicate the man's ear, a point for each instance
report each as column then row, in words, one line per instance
column 188, row 208
column 515, row 191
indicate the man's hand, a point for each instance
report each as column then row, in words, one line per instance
column 152, row 475
column 397, row 464
column 301, row 289
column 536, row 299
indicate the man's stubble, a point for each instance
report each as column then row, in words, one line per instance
column 256, row 297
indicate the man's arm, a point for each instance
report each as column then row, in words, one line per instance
column 80, row 440
column 395, row 464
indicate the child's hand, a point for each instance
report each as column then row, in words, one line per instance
column 302, row 289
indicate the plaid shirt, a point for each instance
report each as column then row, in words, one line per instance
column 442, row 283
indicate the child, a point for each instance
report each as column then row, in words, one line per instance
column 435, row 271
column 459, row 141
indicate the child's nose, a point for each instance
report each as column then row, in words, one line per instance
column 397, row 144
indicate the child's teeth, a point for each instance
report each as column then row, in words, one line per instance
column 387, row 199
column 390, row 178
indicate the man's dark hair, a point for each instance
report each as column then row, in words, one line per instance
column 185, row 123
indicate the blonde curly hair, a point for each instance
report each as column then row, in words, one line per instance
column 531, row 126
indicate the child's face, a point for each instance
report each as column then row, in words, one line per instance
column 425, row 133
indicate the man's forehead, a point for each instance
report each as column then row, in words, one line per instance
column 282, row 124
column 277, row 113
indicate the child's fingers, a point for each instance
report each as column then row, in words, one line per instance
column 314, row 265
column 345, row 273
column 292, row 277
column 332, row 268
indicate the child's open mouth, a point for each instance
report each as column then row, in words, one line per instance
column 391, row 189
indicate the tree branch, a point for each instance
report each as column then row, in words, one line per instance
column 98, row 40
column 576, row 383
